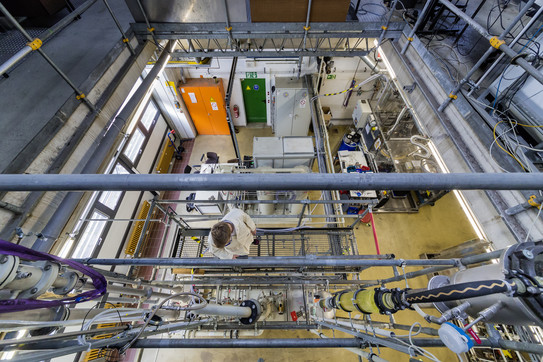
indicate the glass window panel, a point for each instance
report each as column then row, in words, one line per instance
column 134, row 145
column 111, row 198
column 91, row 236
column 149, row 115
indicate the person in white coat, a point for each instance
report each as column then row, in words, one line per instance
column 233, row 235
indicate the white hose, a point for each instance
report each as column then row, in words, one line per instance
column 400, row 116
column 421, row 145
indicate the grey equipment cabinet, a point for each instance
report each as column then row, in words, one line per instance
column 292, row 113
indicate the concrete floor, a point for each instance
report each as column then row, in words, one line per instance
column 432, row 229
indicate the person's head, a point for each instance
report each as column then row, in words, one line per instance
column 221, row 233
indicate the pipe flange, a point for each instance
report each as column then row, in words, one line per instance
column 8, row 269
column 256, row 311
column 72, row 278
column 50, row 273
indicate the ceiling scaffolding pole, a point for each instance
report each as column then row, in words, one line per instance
column 495, row 42
column 267, row 262
column 47, row 34
column 485, row 56
column 125, row 38
column 420, row 18
column 264, row 182
column 35, row 44
column 99, row 151
column 513, row 42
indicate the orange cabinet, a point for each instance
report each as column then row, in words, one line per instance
column 205, row 101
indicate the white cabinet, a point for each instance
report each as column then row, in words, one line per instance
column 292, row 112
column 283, row 152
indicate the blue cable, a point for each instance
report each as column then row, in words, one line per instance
column 503, row 73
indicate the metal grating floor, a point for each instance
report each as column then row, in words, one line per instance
column 12, row 41
column 318, row 242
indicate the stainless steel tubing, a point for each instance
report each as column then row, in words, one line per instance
column 260, row 182
column 264, row 262
column 530, row 69
column 224, row 310
column 99, row 152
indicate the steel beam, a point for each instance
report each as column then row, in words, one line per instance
column 271, row 53
column 260, row 182
column 268, row 30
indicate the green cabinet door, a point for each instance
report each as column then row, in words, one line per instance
column 254, row 98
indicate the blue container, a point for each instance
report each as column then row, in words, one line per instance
column 347, row 145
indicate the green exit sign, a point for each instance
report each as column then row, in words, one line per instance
column 250, row 75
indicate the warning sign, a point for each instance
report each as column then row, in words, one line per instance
column 212, row 100
column 248, row 88
column 214, row 106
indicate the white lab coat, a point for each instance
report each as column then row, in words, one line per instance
column 241, row 240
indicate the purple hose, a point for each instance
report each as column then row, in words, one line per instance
column 16, row 305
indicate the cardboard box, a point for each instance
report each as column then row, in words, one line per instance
column 296, row 10
column 327, row 114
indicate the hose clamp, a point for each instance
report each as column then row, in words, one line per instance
column 532, row 202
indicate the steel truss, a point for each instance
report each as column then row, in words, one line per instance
column 270, row 39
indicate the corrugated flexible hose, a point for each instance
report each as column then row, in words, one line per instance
column 460, row 291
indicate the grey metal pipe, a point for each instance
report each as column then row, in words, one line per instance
column 422, row 15
column 14, row 59
column 513, row 42
column 264, row 262
column 46, row 35
column 254, row 182
column 387, row 22
column 485, row 56
column 225, row 310
column 150, row 29
column 100, row 150
column 245, row 202
column 16, row 24
column 125, row 38
column 479, row 258
column 248, row 343
column 530, row 69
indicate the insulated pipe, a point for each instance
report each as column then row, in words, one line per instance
column 254, row 182
column 513, row 42
column 264, row 262
column 485, row 56
column 530, row 69
column 421, row 16
column 101, row 149
column 460, row 291
column 225, row 310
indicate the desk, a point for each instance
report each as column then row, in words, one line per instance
column 351, row 158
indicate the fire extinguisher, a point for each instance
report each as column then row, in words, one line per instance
column 235, row 109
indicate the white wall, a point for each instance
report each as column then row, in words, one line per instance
column 344, row 69
column 265, row 69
